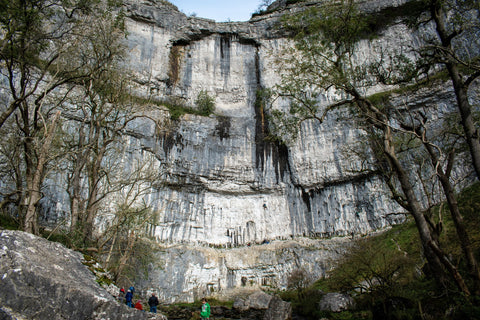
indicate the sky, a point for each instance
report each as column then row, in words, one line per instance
column 219, row 10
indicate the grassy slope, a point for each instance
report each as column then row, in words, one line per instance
column 395, row 256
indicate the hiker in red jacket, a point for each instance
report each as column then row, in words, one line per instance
column 138, row 305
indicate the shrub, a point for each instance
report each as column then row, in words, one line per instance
column 9, row 222
column 205, row 103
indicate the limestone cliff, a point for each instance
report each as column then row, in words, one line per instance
column 224, row 184
column 187, row 272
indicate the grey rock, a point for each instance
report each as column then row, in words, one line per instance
column 278, row 310
column 40, row 279
column 274, row 308
column 257, row 300
column 223, row 184
column 336, row 302
column 188, row 273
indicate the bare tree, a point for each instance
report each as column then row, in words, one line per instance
column 103, row 120
column 324, row 60
column 31, row 49
column 443, row 166
column 133, row 216
column 453, row 20
column 42, row 60
column 299, row 280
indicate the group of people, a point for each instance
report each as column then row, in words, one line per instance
column 153, row 302
column 128, row 297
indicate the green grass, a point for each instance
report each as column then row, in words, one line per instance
column 417, row 291
column 8, row 222
column 176, row 107
column 381, row 98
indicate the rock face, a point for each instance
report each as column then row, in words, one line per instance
column 227, row 185
column 278, row 310
column 224, row 184
column 188, row 273
column 44, row 280
column 274, row 308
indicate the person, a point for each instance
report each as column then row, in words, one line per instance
column 153, row 303
column 128, row 298
column 138, row 305
column 205, row 311
column 121, row 295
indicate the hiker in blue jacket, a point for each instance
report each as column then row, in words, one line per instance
column 128, row 298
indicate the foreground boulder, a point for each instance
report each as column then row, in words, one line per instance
column 268, row 307
column 336, row 302
column 40, row 279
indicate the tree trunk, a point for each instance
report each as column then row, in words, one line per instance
column 415, row 208
column 457, row 218
column 33, row 197
column 94, row 177
column 131, row 239
column 76, row 201
column 110, row 251
column 461, row 90
column 34, row 183
column 6, row 114
column 435, row 257
column 451, row 268
column 471, row 133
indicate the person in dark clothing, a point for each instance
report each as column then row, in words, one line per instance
column 153, row 303
column 128, row 299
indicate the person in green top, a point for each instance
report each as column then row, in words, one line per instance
column 205, row 313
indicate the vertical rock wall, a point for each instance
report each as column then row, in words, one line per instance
column 227, row 184
column 224, row 184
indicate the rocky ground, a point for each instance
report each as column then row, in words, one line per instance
column 40, row 279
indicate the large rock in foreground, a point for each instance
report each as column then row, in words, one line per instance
column 336, row 302
column 272, row 307
column 40, row 279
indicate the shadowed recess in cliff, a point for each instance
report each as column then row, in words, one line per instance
column 222, row 129
column 306, row 200
column 265, row 147
column 171, row 139
column 360, row 179
column 224, row 43
column 175, row 58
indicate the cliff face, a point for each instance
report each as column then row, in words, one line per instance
column 187, row 272
column 228, row 185
column 224, row 184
